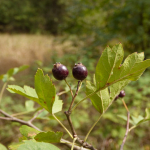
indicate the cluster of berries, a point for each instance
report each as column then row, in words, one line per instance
column 60, row 72
column 79, row 71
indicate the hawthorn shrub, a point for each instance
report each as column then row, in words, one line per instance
column 110, row 78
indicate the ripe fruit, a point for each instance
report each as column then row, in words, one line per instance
column 79, row 71
column 60, row 71
column 122, row 93
column 116, row 97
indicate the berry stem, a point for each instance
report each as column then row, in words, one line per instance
column 83, row 100
column 125, row 105
column 74, row 140
column 62, row 125
column 73, row 99
column 132, row 127
column 68, row 113
column 69, row 87
column 127, row 127
column 92, row 128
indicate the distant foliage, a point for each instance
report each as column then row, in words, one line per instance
column 31, row 16
column 102, row 21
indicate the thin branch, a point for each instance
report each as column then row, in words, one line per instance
column 69, row 87
column 125, row 105
column 74, row 140
column 62, row 126
column 60, row 93
column 73, row 99
column 35, row 116
column 127, row 127
column 69, row 144
column 14, row 119
column 85, row 144
column 132, row 128
column 92, row 127
column 21, row 113
column 84, row 99
column 11, row 118
column 68, row 113
column 2, row 91
column 70, row 123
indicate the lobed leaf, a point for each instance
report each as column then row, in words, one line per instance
column 28, row 132
column 109, row 69
column 45, row 90
column 44, row 93
column 49, row 137
column 110, row 59
column 33, row 145
column 111, row 73
column 24, row 92
column 57, row 106
column 96, row 100
column 29, row 105
column 135, row 121
column 15, row 146
column 8, row 76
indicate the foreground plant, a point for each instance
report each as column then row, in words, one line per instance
column 109, row 80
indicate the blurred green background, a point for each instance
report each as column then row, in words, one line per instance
column 40, row 33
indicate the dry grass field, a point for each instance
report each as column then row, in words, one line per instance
column 23, row 49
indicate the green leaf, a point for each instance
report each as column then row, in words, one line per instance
column 109, row 69
column 137, row 120
column 49, row 137
column 147, row 113
column 2, row 147
column 28, row 132
column 44, row 94
column 100, row 100
column 8, row 76
column 33, row 145
column 45, row 90
column 27, row 92
column 125, row 118
column 117, row 87
column 57, row 106
column 29, row 105
column 110, row 73
column 15, row 146
column 110, row 59
column 30, row 91
column 16, row 70
column 43, row 114
column 22, row 138
column 141, row 119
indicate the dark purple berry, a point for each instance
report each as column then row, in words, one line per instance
column 60, row 71
column 116, row 97
column 122, row 93
column 79, row 71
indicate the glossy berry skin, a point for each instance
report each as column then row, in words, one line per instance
column 79, row 71
column 60, row 72
column 122, row 93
